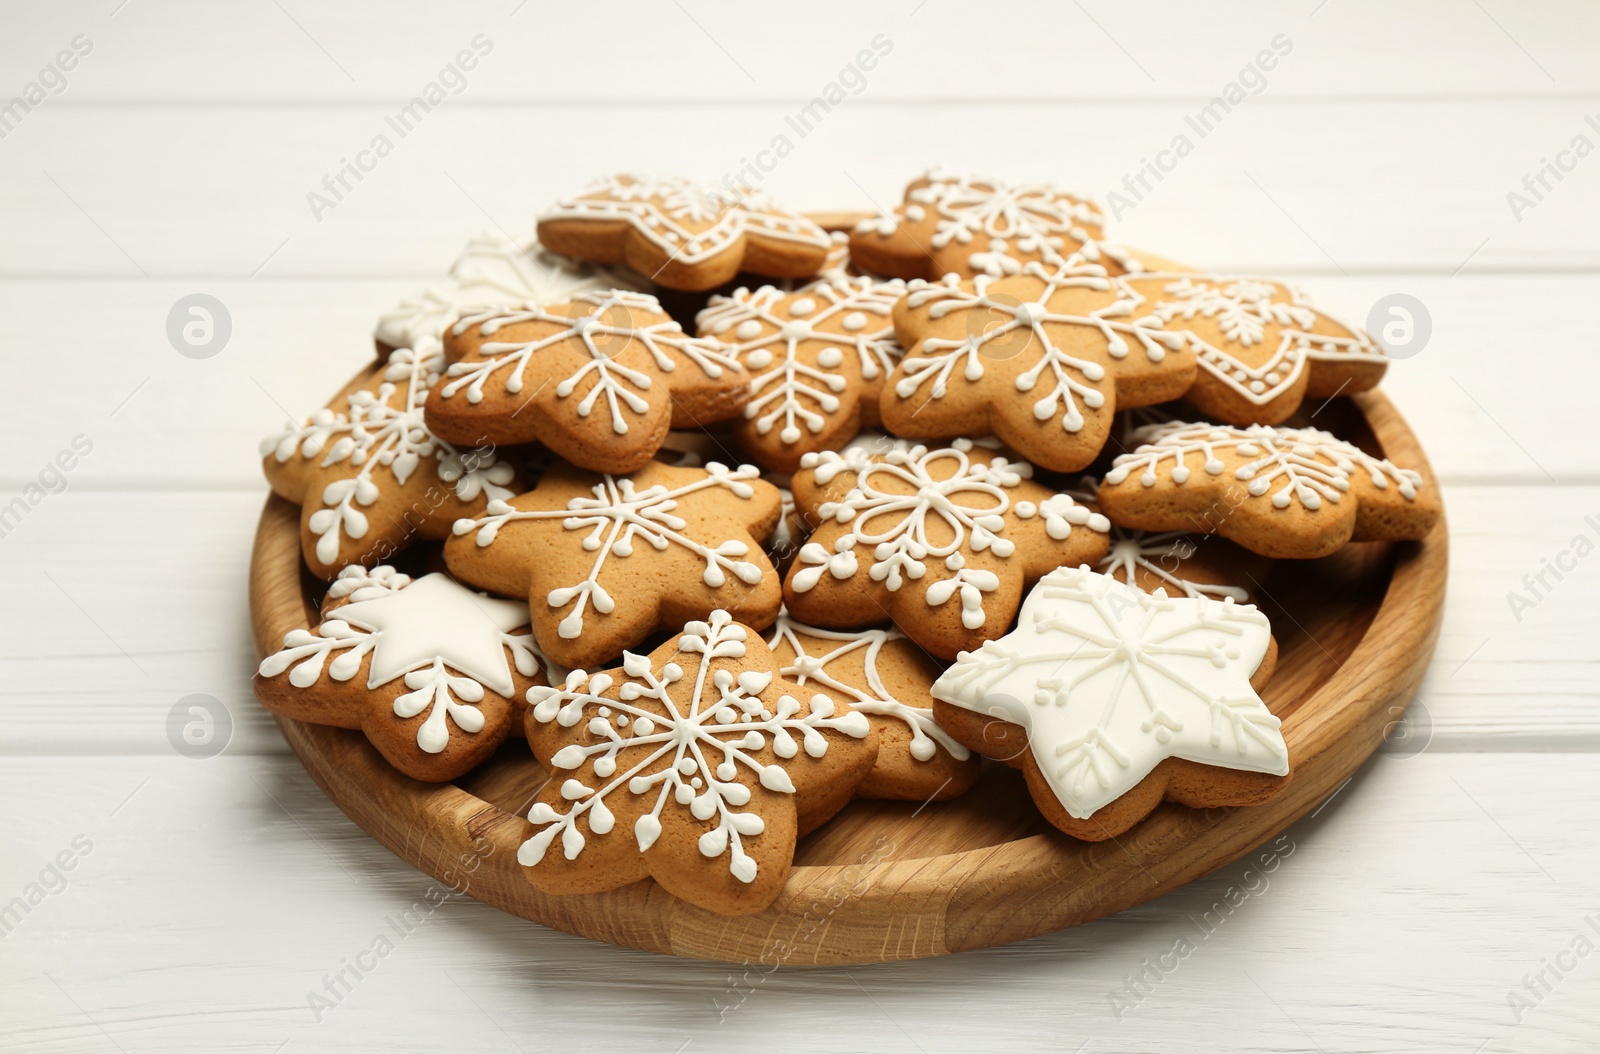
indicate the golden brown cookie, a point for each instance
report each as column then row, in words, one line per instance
column 369, row 475
column 697, row 765
column 605, row 561
column 1117, row 699
column 684, row 236
column 882, row 674
column 599, row 380
column 817, row 359
column 943, row 541
column 431, row 672
column 971, row 225
column 1043, row 360
column 1261, row 347
column 1294, row 493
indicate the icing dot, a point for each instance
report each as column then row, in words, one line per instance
column 759, row 359
column 1027, row 510
column 749, row 329
column 830, row 357
column 802, row 307
column 854, row 322
column 795, row 331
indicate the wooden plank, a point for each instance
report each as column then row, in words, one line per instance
column 1398, row 919
column 1496, row 683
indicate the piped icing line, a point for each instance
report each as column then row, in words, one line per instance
column 1307, row 465
column 926, row 735
column 373, row 432
column 1157, row 553
column 616, row 517
column 1109, row 681
column 689, row 222
column 691, row 753
column 448, row 643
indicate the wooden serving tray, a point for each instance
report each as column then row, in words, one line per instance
column 899, row 880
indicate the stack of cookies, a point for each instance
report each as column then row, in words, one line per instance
column 734, row 518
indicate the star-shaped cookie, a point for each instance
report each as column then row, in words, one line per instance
column 974, row 225
column 817, row 359
column 682, row 235
column 697, row 765
column 431, row 672
column 370, row 476
column 1294, row 493
column 1042, row 359
column 605, row 561
column 599, row 380
column 941, row 540
column 1125, row 698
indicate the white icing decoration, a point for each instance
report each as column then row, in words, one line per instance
column 792, row 394
column 1160, row 554
column 693, row 753
column 492, row 270
column 993, row 218
column 617, row 516
column 374, row 433
column 1244, row 308
column 900, row 548
column 420, row 630
column 937, row 357
column 1313, row 466
column 618, row 384
column 926, row 735
column 690, row 223
column 1109, row 681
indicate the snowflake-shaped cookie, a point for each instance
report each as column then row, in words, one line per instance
column 817, row 359
column 492, row 270
column 599, row 380
column 970, row 226
column 607, row 560
column 882, row 674
column 431, row 672
column 1127, row 697
column 1261, row 347
column 682, row 235
column 1281, row 492
column 370, row 476
column 1043, row 360
column 697, row 765
column 943, row 541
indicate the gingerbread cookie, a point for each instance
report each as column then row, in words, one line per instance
column 697, row 765
column 599, row 380
column 970, row 226
column 605, row 561
column 817, row 359
column 684, row 236
column 1295, row 493
column 943, row 541
column 1124, row 698
column 1261, row 347
column 369, row 474
column 431, row 672
column 492, row 270
column 882, row 674
column 1043, row 360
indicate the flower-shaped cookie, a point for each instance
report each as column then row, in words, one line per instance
column 943, row 541
column 882, row 674
column 697, row 765
column 1261, row 347
column 970, row 225
column 817, row 359
column 605, row 561
column 599, row 380
column 370, row 476
column 1043, row 360
column 1295, row 493
column 1125, row 698
column 492, row 270
column 684, row 236
column 433, row 673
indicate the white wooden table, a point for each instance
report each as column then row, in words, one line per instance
column 207, row 898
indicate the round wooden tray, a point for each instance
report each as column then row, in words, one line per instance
column 895, row 880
